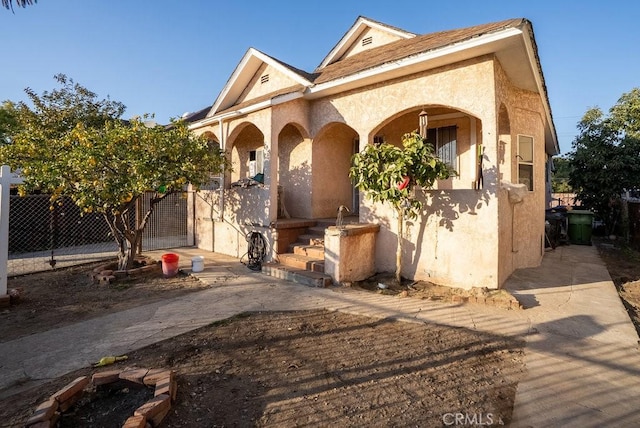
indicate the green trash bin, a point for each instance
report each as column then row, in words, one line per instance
column 580, row 226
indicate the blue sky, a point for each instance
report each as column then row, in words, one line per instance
column 169, row 57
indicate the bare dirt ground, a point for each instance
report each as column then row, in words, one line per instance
column 61, row 297
column 623, row 264
column 294, row 368
column 386, row 284
column 277, row 369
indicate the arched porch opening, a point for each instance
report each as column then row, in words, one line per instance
column 332, row 150
column 294, row 171
column 246, row 149
column 214, row 142
column 455, row 136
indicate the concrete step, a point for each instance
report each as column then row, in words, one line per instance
column 308, row 239
column 315, row 251
column 299, row 276
column 300, row 261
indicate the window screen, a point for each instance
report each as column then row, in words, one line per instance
column 444, row 141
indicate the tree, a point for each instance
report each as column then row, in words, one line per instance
column 388, row 173
column 71, row 144
column 8, row 121
column 604, row 159
column 560, row 178
column 8, row 4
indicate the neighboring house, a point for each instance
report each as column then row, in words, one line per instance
column 483, row 91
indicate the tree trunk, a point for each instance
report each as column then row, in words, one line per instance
column 127, row 259
column 399, row 250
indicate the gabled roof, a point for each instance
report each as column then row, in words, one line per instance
column 511, row 41
column 244, row 72
column 406, row 48
column 361, row 24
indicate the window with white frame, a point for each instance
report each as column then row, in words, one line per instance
column 256, row 162
column 444, row 141
column 525, row 161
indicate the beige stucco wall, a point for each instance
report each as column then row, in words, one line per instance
column 521, row 225
column 277, row 80
column 244, row 211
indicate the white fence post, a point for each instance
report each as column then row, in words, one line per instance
column 6, row 180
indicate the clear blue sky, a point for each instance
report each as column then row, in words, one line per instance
column 168, row 57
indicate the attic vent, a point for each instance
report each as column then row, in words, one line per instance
column 367, row 41
column 264, row 79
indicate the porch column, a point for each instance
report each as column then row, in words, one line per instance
column 271, row 173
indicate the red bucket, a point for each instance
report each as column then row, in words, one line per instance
column 170, row 264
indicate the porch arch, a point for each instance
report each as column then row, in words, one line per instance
column 212, row 139
column 332, row 149
column 460, row 128
column 294, row 170
column 243, row 143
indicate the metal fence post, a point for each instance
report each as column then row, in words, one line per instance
column 139, row 215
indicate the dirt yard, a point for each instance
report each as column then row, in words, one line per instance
column 58, row 298
column 277, row 369
column 290, row 369
column 623, row 264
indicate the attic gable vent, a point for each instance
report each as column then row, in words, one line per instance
column 367, row 41
column 264, row 78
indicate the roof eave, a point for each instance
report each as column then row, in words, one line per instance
column 244, row 72
column 419, row 62
column 551, row 136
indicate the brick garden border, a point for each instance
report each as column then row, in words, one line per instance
column 150, row 414
column 107, row 273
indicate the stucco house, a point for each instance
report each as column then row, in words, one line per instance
column 488, row 112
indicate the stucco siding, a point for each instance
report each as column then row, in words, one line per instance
column 454, row 243
column 521, row 224
column 244, row 211
column 275, row 79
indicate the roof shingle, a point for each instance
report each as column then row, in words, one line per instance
column 405, row 48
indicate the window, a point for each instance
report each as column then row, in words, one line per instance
column 444, row 141
column 525, row 161
column 378, row 139
column 256, row 158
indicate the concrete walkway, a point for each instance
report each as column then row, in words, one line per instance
column 581, row 354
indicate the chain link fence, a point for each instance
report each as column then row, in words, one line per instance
column 44, row 237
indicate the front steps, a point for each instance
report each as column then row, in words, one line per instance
column 304, row 261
